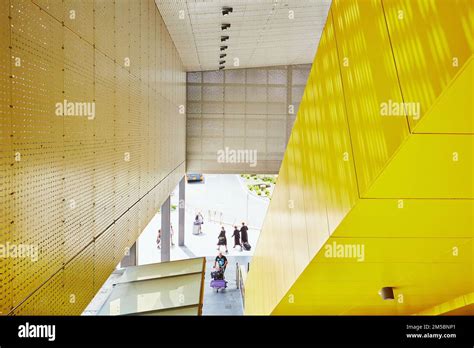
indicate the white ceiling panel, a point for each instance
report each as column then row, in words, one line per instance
column 262, row 32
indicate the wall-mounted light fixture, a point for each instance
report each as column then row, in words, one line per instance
column 224, row 38
column 387, row 293
column 225, row 26
column 221, row 67
column 223, row 48
column 222, row 55
column 221, row 62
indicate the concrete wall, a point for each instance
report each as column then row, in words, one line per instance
column 249, row 110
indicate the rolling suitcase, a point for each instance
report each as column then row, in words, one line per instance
column 246, row 246
column 196, row 228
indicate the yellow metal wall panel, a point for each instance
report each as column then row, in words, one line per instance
column 337, row 165
column 315, row 203
column 413, row 216
column 453, row 111
column 429, row 45
column 429, row 166
column 427, row 218
column 286, row 252
column 369, row 78
column 462, row 305
column 81, row 189
column 351, row 288
column 315, row 210
column 285, row 266
column 297, row 228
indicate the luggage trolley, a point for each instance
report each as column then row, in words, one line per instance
column 218, row 281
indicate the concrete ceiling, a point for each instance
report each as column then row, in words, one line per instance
column 262, row 32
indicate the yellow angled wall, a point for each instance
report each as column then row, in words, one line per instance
column 81, row 190
column 313, row 193
column 400, row 185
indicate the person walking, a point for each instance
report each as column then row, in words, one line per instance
column 220, row 263
column 158, row 239
column 236, row 236
column 243, row 233
column 171, row 235
column 201, row 222
column 198, row 222
column 222, row 240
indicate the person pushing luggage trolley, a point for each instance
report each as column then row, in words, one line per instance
column 218, row 278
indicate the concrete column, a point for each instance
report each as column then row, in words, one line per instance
column 165, row 231
column 131, row 258
column 182, row 197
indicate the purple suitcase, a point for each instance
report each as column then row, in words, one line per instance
column 218, row 284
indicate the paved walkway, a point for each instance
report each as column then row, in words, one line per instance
column 219, row 193
column 228, row 301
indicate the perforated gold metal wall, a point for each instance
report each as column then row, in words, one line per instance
column 77, row 187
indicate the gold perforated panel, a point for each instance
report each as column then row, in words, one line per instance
column 78, row 185
column 6, row 158
column 46, row 300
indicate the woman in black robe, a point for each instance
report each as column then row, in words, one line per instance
column 243, row 233
column 222, row 240
column 236, row 236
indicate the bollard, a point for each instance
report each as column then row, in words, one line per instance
column 237, row 275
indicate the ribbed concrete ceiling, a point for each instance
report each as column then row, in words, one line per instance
column 262, row 32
